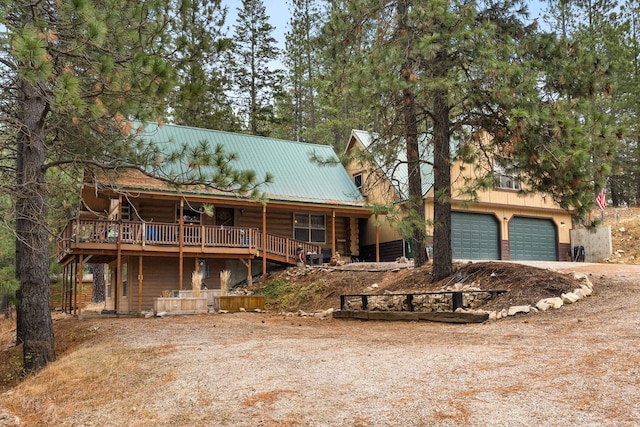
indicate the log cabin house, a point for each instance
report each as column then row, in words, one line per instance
column 153, row 236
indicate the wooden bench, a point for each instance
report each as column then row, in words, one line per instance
column 456, row 297
column 410, row 314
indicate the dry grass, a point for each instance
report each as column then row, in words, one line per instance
column 196, row 283
column 225, row 277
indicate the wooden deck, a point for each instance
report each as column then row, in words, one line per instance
column 106, row 238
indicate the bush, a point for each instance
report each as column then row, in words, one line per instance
column 281, row 295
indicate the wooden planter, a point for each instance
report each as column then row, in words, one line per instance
column 184, row 305
column 248, row 302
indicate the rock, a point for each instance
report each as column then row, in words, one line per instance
column 161, row 314
column 586, row 290
column 493, row 315
column 569, row 298
column 542, row 305
column 515, row 309
column 374, row 286
column 9, row 420
column 555, row 302
column 579, row 293
column 583, row 280
column 503, row 313
column 242, row 309
column 223, row 311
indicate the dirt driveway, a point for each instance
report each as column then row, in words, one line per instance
column 575, row 366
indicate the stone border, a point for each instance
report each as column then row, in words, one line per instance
column 585, row 290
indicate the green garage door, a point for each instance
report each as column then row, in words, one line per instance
column 532, row 239
column 474, row 236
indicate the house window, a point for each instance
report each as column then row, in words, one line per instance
column 190, row 215
column 505, row 178
column 357, row 180
column 309, row 228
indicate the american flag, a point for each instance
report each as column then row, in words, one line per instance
column 601, row 200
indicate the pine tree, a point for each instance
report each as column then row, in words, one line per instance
column 469, row 67
column 255, row 82
column 198, row 52
column 74, row 77
column 301, row 62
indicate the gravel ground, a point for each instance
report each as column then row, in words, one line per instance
column 576, row 366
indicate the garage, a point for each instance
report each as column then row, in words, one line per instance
column 533, row 239
column 474, row 236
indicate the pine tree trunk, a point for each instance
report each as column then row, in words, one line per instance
column 32, row 255
column 98, row 294
column 442, row 254
column 416, row 200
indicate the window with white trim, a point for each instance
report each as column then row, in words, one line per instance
column 357, row 180
column 505, row 179
column 309, row 228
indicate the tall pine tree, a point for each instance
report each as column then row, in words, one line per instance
column 256, row 81
column 198, row 52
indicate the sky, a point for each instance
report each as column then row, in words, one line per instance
column 278, row 13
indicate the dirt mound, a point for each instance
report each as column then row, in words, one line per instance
column 625, row 234
column 320, row 288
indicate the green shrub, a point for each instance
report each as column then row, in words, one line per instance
column 282, row 295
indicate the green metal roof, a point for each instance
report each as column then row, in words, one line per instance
column 296, row 176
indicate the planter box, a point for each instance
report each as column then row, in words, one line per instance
column 210, row 294
column 248, row 302
column 186, row 305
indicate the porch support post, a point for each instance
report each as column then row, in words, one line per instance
column 333, row 232
column 116, row 296
column 63, row 287
column 78, row 284
column 72, row 282
column 181, row 244
column 140, row 278
column 247, row 264
column 377, row 240
column 264, row 242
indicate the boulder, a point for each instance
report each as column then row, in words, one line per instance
column 569, row 298
column 555, row 302
column 515, row 309
column 586, row 290
column 579, row 293
column 542, row 305
column 583, row 279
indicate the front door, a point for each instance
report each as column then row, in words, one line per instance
column 224, row 216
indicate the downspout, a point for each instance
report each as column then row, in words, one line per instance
column 333, row 232
column 377, row 240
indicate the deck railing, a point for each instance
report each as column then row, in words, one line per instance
column 164, row 234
